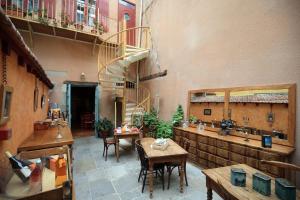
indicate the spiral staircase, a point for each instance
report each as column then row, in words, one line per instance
column 116, row 54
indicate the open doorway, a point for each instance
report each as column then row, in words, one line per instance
column 82, row 110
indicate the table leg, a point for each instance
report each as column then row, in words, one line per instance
column 181, row 176
column 117, row 148
column 209, row 190
column 151, row 178
column 133, row 144
column 209, row 194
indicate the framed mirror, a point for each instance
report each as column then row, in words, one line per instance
column 265, row 110
column 207, row 105
column 6, row 97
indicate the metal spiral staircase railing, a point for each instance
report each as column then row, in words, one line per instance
column 115, row 55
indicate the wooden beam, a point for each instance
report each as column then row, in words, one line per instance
column 153, row 76
column 30, row 34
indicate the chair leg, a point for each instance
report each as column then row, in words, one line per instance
column 144, row 181
column 169, row 176
column 115, row 149
column 106, row 153
column 140, row 175
column 163, row 178
column 186, row 181
column 103, row 150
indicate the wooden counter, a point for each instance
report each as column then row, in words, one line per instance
column 279, row 149
column 210, row 150
column 46, row 139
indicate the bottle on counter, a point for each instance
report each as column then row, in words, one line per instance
column 36, row 177
column 19, row 167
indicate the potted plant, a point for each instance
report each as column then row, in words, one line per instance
column 164, row 129
column 65, row 20
column 150, row 121
column 103, row 126
column 178, row 116
column 193, row 121
column 43, row 18
column 79, row 26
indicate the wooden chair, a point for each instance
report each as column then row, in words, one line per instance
column 157, row 168
column 171, row 166
column 107, row 141
column 289, row 168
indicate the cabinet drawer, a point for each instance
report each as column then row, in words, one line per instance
column 263, row 155
column 191, row 136
column 223, row 153
column 202, row 154
column 232, row 162
column 202, row 147
column 177, row 132
column 177, row 139
column 237, row 158
column 192, row 150
column 212, row 141
column 221, row 161
column 202, row 162
column 222, row 144
column 192, row 157
column 212, row 149
column 211, row 164
column 202, row 139
column 252, row 162
column 238, row 149
column 252, row 152
column 211, row 158
column 192, row 143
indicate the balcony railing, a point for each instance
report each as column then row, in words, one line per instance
column 69, row 14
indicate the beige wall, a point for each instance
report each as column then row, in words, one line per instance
column 22, row 115
column 210, row 44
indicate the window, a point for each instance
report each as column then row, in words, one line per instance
column 126, row 17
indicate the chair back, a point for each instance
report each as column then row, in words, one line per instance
column 104, row 135
column 141, row 152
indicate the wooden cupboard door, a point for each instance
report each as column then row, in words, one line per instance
column 221, row 161
column 211, row 158
column 251, row 152
column 202, row 154
column 212, row 141
column 263, row 155
column 222, row 144
column 212, row 150
column 223, row 153
column 202, row 147
column 237, row 158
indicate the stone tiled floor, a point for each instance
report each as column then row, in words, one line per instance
column 96, row 179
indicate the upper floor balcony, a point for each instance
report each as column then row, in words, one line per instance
column 83, row 20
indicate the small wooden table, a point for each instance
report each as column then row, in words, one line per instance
column 218, row 179
column 128, row 134
column 47, row 138
column 173, row 153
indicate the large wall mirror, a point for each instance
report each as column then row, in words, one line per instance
column 257, row 110
column 266, row 110
column 207, row 106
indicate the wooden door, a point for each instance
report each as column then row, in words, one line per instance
column 127, row 12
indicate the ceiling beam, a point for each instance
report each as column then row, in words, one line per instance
column 153, row 76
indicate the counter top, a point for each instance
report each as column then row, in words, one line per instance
column 46, row 139
column 276, row 148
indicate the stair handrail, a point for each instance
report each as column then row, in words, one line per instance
column 144, row 103
column 113, row 48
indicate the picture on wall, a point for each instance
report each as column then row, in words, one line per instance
column 6, row 97
column 207, row 111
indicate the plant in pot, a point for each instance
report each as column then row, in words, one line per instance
column 65, row 20
column 178, row 116
column 164, row 129
column 104, row 126
column 150, row 121
column 193, row 121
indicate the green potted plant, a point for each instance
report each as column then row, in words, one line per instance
column 65, row 20
column 103, row 126
column 193, row 121
column 164, row 129
column 178, row 116
column 150, row 121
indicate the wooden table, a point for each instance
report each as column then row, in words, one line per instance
column 218, row 179
column 47, row 138
column 128, row 134
column 173, row 153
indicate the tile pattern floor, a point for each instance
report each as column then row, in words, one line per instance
column 96, row 179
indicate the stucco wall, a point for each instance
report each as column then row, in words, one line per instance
column 22, row 114
column 211, row 44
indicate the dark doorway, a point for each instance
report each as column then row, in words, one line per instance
column 82, row 110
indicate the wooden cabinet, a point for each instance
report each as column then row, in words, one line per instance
column 210, row 150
